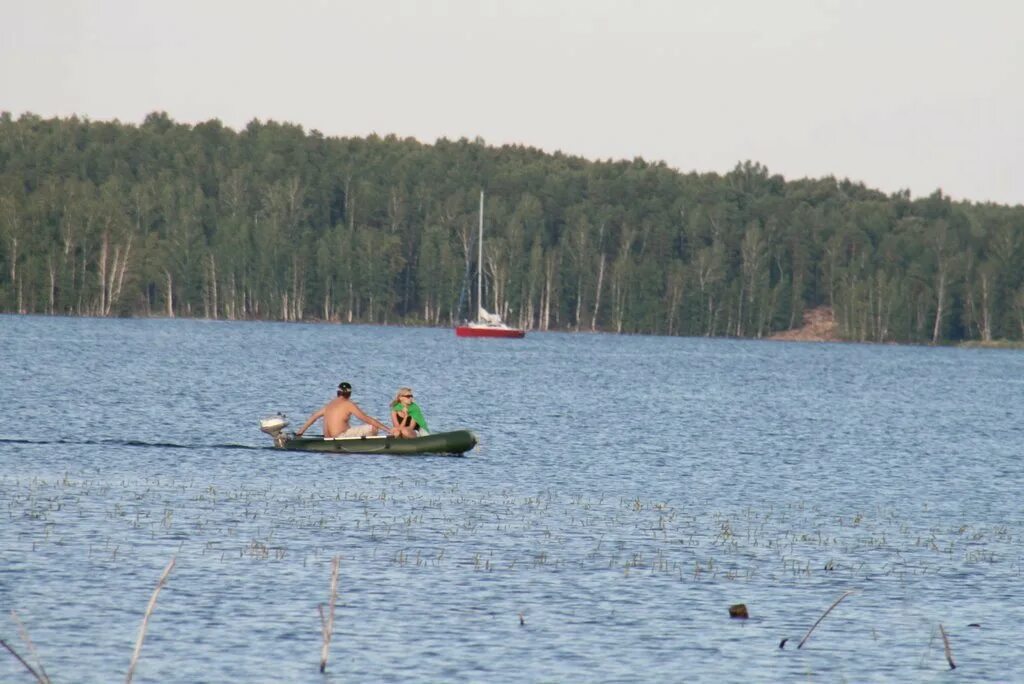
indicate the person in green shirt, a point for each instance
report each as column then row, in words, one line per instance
column 406, row 415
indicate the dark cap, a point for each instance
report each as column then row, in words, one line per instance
column 344, row 387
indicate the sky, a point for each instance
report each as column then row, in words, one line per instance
column 899, row 94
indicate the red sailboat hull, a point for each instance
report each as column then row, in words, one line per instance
column 474, row 331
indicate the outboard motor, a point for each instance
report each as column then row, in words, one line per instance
column 274, row 426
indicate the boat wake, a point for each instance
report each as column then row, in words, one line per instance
column 126, row 443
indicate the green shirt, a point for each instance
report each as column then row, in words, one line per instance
column 415, row 412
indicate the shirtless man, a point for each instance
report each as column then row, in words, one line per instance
column 337, row 413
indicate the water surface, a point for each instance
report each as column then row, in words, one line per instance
column 626, row 491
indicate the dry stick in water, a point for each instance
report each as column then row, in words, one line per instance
column 31, row 647
column 145, row 621
column 945, row 645
column 808, row 635
column 21, row 660
column 327, row 624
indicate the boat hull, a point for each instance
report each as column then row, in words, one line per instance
column 472, row 331
column 455, row 442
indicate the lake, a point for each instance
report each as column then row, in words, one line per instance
column 626, row 491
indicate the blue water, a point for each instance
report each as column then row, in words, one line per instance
column 626, row 491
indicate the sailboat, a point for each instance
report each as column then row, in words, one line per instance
column 487, row 324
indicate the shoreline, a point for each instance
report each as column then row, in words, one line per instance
column 819, row 326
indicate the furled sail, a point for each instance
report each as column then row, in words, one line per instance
column 485, row 316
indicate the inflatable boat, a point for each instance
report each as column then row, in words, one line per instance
column 454, row 442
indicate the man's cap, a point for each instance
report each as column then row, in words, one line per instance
column 344, row 387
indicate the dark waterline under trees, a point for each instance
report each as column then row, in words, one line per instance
column 272, row 222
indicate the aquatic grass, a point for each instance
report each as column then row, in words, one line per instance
column 39, row 677
column 145, row 621
column 625, row 538
column 385, row 514
column 23, row 633
column 327, row 623
column 39, row 672
column 823, row 615
column 946, row 648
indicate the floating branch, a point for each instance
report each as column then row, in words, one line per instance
column 145, row 621
column 327, row 624
column 808, row 635
column 945, row 645
column 31, row 647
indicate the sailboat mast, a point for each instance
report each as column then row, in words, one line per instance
column 480, row 260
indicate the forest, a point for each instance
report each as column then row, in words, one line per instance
column 103, row 218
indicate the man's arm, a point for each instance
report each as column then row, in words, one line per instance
column 370, row 420
column 312, row 419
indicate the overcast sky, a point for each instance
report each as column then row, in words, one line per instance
column 896, row 94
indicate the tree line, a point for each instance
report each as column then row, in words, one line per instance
column 273, row 222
